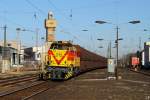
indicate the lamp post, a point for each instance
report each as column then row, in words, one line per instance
column 85, row 30
column 100, row 39
column 5, row 27
column 116, row 41
column 117, row 54
column 4, row 57
column 37, row 36
column 18, row 44
column 42, row 54
column 109, row 50
column 146, row 30
column 100, row 47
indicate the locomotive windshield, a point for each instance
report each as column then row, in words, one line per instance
column 61, row 46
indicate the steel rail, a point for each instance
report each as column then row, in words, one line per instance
column 34, row 94
column 17, row 80
column 20, row 89
column 147, row 74
column 53, row 85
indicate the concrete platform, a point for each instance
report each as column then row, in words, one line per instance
column 95, row 86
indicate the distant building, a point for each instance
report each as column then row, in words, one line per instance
column 17, row 46
column 34, row 53
column 29, row 54
column 147, row 54
column 10, row 55
column 13, row 44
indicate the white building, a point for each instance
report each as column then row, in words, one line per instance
column 147, row 54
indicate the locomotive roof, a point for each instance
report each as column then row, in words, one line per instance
column 62, row 42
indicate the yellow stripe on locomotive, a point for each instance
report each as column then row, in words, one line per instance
column 63, row 60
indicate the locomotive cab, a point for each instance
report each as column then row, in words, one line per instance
column 63, row 61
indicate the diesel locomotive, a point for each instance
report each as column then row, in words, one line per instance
column 66, row 60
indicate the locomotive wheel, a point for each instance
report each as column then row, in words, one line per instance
column 41, row 76
column 45, row 76
column 76, row 71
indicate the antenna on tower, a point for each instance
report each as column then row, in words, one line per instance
column 71, row 14
column 35, row 16
column 50, row 15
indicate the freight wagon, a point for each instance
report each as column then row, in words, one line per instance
column 66, row 60
column 135, row 63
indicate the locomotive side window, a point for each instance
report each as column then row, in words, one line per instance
column 60, row 46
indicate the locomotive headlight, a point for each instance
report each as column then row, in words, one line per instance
column 49, row 68
column 48, row 62
column 65, row 62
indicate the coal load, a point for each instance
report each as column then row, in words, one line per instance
column 90, row 60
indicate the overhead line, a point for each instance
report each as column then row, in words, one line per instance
column 74, row 36
column 13, row 22
column 49, row 1
column 37, row 8
column 30, row 3
column 45, row 13
column 17, row 12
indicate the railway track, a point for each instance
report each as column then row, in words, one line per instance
column 12, row 81
column 141, row 72
column 16, row 77
column 27, row 92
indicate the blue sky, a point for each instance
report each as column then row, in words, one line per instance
column 20, row 13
